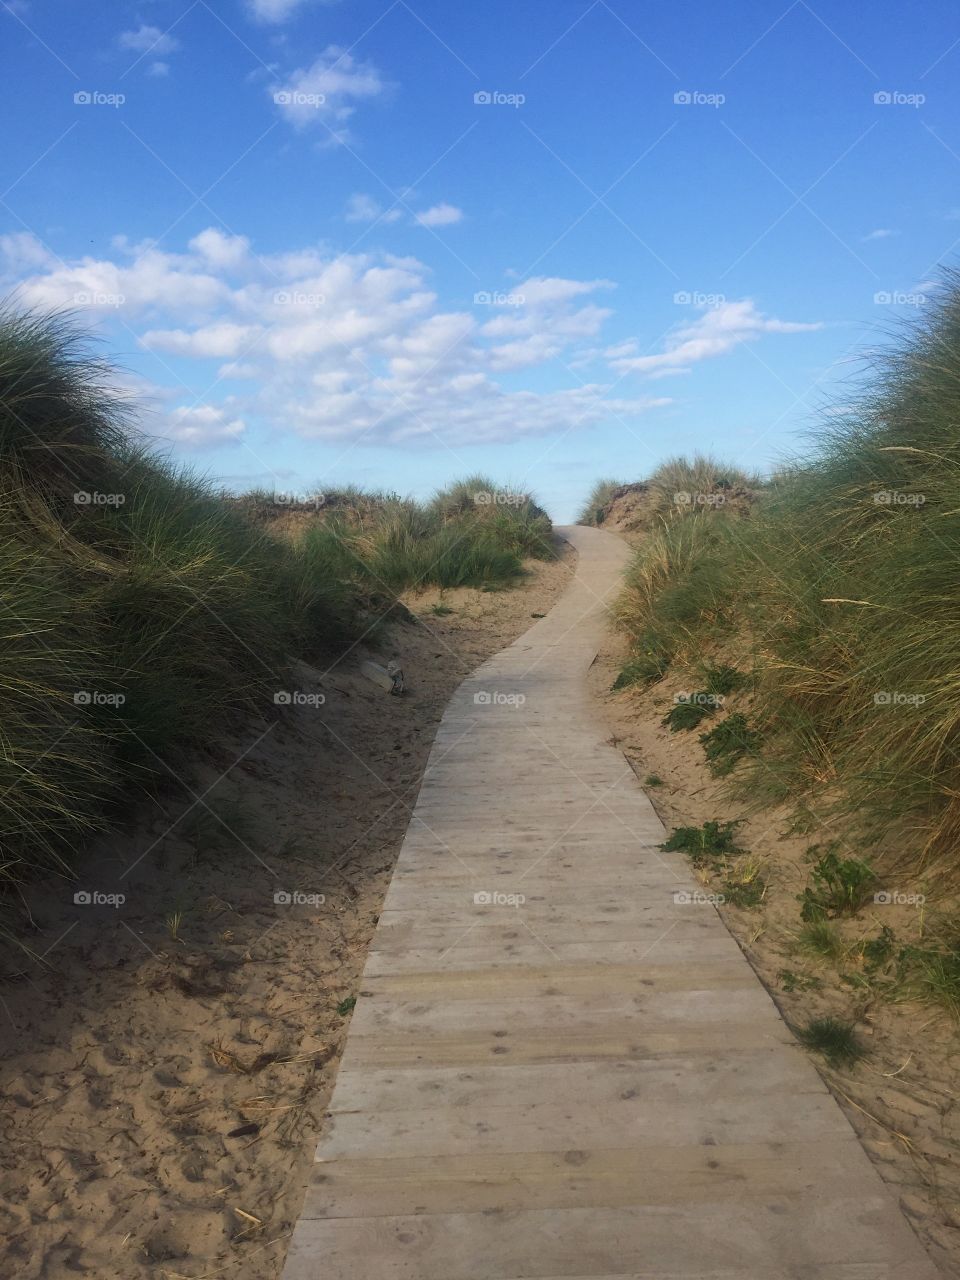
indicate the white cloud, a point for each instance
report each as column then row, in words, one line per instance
column 201, row 426
column 158, row 69
column 439, row 215
column 221, row 250
column 148, row 39
column 881, row 233
column 334, row 347
column 276, row 10
column 363, row 208
column 326, row 91
column 716, row 332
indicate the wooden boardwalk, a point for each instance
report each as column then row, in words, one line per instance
column 559, row 1065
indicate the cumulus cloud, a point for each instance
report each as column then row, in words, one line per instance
column 717, row 331
column 147, row 39
column 348, row 347
column 363, row 208
column 276, row 10
column 201, row 426
column 881, row 233
column 327, row 91
column 439, row 215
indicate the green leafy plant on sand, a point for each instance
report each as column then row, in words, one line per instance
column 728, row 742
column 706, row 843
column 841, row 887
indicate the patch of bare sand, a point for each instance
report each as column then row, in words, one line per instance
column 902, row 1100
column 165, row 1070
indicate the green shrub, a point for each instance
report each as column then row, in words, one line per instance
column 728, row 742
column 701, row 844
column 842, row 886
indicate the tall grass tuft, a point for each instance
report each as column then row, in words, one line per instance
column 841, row 587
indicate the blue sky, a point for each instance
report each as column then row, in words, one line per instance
column 321, row 258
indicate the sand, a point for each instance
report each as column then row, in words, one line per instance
column 166, row 1067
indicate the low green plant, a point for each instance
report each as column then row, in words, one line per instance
column 726, row 744
column 653, row 780
column 722, row 680
column 745, row 887
column 822, row 939
column 835, row 1039
column 346, row 1006
column 841, row 887
column 791, row 981
column 688, row 714
column 706, row 843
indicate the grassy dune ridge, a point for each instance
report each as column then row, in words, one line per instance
column 140, row 607
column 839, row 594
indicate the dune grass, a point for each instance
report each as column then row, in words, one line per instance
column 839, row 590
column 142, row 610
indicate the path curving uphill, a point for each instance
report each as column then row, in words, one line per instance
column 559, row 1064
